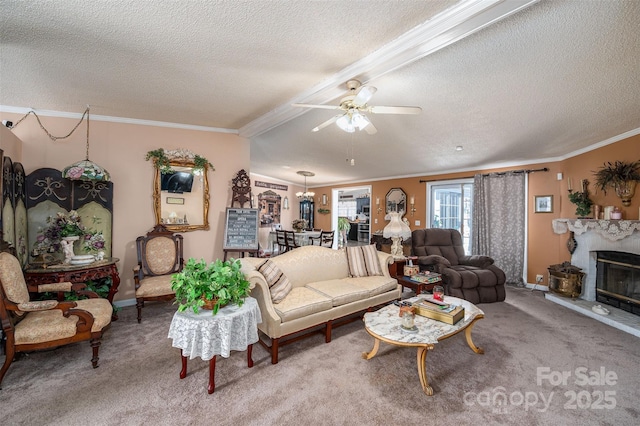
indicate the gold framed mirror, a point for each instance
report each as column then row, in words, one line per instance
column 181, row 197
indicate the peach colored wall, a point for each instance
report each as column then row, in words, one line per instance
column 544, row 247
column 121, row 149
column 11, row 145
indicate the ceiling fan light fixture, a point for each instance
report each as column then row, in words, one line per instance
column 360, row 121
column 346, row 123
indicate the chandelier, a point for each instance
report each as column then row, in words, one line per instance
column 306, row 195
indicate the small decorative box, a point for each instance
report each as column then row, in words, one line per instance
column 411, row 270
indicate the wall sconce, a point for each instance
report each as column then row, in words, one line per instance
column 412, row 202
column 378, row 205
column 324, row 199
column 285, row 203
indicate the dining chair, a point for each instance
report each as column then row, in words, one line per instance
column 325, row 239
column 281, row 241
column 290, row 240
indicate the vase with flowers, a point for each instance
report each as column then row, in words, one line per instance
column 61, row 233
column 299, row 225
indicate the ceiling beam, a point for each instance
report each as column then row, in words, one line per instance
column 442, row 30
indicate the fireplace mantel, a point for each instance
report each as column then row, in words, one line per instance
column 594, row 235
column 612, row 230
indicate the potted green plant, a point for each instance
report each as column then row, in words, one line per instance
column 211, row 286
column 620, row 176
column 344, row 226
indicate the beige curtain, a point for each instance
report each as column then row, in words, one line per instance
column 498, row 221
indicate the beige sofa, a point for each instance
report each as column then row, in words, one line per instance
column 322, row 292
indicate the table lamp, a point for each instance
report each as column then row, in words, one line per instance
column 397, row 231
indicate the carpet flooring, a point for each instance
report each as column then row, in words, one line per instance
column 543, row 365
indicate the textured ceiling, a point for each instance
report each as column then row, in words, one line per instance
column 546, row 81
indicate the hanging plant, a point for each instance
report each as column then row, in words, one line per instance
column 162, row 159
column 614, row 174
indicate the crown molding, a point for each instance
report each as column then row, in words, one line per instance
column 124, row 120
column 446, row 28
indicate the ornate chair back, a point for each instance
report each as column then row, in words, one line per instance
column 160, row 255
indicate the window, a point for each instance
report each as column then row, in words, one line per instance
column 348, row 209
column 449, row 207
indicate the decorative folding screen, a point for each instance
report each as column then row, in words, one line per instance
column 49, row 193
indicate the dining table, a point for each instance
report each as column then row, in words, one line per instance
column 302, row 238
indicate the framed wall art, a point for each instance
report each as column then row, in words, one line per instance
column 544, row 204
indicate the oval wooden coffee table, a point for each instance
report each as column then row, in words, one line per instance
column 384, row 325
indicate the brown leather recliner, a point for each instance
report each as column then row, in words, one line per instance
column 473, row 278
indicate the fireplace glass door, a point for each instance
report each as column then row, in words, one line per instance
column 618, row 280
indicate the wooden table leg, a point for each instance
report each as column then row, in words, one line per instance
column 212, row 375
column 249, row 359
column 422, row 368
column 183, row 372
column 467, row 334
column 372, row 352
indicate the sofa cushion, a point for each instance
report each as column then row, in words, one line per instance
column 363, row 261
column 341, row 291
column 301, row 302
column 374, row 285
column 279, row 284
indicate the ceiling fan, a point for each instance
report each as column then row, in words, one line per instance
column 354, row 106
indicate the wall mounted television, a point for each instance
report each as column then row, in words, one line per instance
column 176, row 182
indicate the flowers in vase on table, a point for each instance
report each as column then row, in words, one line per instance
column 299, row 224
column 59, row 226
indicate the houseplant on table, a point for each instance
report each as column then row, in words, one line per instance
column 620, row 176
column 211, row 286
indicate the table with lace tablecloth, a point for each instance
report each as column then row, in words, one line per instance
column 233, row 328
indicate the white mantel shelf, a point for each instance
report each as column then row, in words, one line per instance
column 612, row 230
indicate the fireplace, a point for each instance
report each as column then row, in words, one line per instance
column 618, row 280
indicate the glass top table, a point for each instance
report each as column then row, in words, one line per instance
column 384, row 325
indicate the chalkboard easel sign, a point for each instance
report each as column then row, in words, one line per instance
column 241, row 230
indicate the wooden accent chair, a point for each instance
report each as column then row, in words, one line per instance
column 325, row 239
column 29, row 326
column 159, row 257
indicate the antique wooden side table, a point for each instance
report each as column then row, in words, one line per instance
column 37, row 275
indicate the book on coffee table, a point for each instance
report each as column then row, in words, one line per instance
column 449, row 314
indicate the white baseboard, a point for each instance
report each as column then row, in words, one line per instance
column 123, row 303
column 537, row 287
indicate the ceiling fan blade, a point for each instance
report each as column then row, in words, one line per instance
column 394, row 110
column 326, row 123
column 370, row 129
column 364, row 94
column 316, row 106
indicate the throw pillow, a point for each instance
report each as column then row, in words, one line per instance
column 363, row 261
column 279, row 284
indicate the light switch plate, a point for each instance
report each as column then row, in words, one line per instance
column 417, row 223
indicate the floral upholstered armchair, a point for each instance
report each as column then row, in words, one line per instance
column 159, row 257
column 30, row 325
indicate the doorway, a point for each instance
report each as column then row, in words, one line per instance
column 354, row 204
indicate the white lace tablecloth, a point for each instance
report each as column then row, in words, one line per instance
column 204, row 335
column 611, row 230
column 386, row 323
